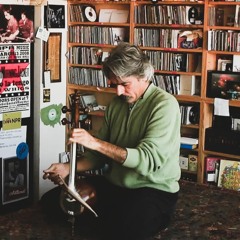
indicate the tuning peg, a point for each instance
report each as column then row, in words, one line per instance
column 65, row 121
column 65, row 109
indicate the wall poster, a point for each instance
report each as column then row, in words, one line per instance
column 15, row 78
column 14, row 165
column 16, row 23
column 16, row 121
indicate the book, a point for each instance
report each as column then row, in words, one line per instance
column 188, row 146
column 193, row 63
column 187, row 8
column 219, row 17
column 105, row 54
column 192, row 15
column 96, row 55
column 222, row 64
column 105, row 15
column 188, row 140
column 185, row 114
column 192, row 162
column 113, row 15
column 238, row 40
column 180, row 62
column 188, row 115
column 236, row 124
column 211, row 169
column 237, row 16
column 229, row 174
column 118, row 35
column 183, row 162
column 236, row 63
column 210, row 43
column 187, row 85
column 119, row 16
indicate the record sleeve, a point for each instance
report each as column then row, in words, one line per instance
column 90, row 14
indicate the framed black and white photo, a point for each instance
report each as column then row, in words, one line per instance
column 54, row 16
column 15, row 179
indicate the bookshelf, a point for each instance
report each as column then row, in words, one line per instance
column 89, row 41
column 222, row 23
column 156, row 28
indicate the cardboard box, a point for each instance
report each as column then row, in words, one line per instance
column 183, row 161
column 192, row 162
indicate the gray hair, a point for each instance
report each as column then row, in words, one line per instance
column 128, row 60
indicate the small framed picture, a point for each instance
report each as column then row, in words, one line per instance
column 54, row 16
column 229, row 174
column 15, row 179
column 52, row 57
column 223, row 84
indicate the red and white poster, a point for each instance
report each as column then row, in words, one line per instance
column 15, row 78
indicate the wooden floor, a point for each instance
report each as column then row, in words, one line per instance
column 203, row 212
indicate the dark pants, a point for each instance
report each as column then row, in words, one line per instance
column 124, row 214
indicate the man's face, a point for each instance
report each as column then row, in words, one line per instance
column 131, row 88
column 23, row 16
column 7, row 15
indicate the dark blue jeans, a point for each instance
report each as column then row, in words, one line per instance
column 124, row 214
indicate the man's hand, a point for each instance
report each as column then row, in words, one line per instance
column 3, row 39
column 56, row 170
column 82, row 137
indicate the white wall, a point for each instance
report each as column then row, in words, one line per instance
column 48, row 141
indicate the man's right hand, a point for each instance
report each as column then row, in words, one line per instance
column 56, row 170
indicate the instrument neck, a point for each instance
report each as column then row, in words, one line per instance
column 73, row 152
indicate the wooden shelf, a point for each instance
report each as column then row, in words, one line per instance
column 190, row 172
column 97, row 113
column 223, row 155
column 232, row 103
column 208, row 62
column 188, row 26
column 91, row 88
column 194, row 126
column 172, row 3
column 223, row 3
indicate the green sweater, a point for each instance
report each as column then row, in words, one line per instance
column 150, row 132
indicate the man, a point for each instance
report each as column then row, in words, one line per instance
column 140, row 141
column 12, row 27
column 26, row 28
